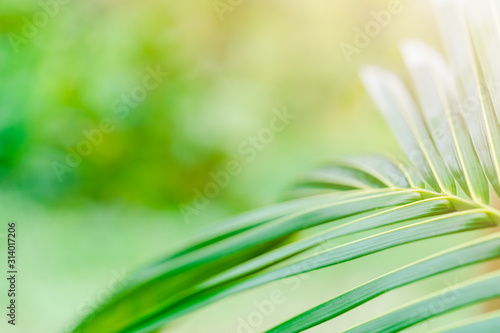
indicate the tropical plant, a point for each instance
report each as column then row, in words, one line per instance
column 452, row 136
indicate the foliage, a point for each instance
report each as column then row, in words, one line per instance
column 452, row 144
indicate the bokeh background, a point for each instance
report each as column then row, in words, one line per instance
column 228, row 70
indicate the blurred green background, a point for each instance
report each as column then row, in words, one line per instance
column 229, row 65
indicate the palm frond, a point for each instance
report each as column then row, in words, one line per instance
column 482, row 249
column 473, row 291
column 450, row 135
column 489, row 322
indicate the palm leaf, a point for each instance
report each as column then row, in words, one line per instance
column 414, row 198
column 485, row 248
column 474, row 291
column 489, row 322
column 433, row 82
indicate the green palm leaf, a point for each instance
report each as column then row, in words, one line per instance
column 484, row 323
column 477, row 290
column 482, row 249
column 446, row 141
